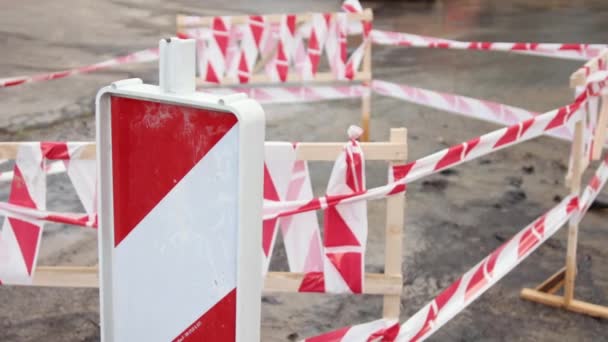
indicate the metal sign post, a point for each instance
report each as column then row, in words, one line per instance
column 181, row 176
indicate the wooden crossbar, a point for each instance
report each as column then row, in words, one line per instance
column 292, row 77
column 306, row 150
column 88, row 277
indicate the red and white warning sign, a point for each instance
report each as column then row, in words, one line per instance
column 181, row 208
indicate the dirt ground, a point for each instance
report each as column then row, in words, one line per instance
column 452, row 219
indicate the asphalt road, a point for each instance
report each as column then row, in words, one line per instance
column 452, row 220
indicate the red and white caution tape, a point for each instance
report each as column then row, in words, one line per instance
column 352, row 6
column 380, row 330
column 470, row 285
column 32, row 157
column 316, row 44
column 142, row 56
column 301, row 234
column 213, row 49
column 336, row 49
column 596, row 64
column 345, row 225
column 226, row 50
column 486, row 273
column 82, row 173
column 254, row 38
column 20, row 239
column 51, row 169
column 593, row 188
column 365, row 27
column 455, row 155
column 279, row 159
column 38, row 217
column 288, row 46
column 470, row 107
column 294, row 94
column 574, row 51
column 452, row 156
column 481, row 277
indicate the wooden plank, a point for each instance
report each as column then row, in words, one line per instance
column 542, row 298
column 600, row 131
column 8, row 150
column 372, row 151
column 366, row 100
column 577, row 306
column 393, row 249
column 553, row 283
column 579, row 78
column 293, row 79
column 66, row 276
column 306, row 150
column 575, row 185
column 375, row 283
column 589, row 309
column 185, row 21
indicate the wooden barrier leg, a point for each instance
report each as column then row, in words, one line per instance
column 565, row 278
column 575, row 189
column 394, row 237
column 366, row 98
column 600, row 131
column 365, row 115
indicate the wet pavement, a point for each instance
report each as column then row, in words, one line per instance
column 452, row 221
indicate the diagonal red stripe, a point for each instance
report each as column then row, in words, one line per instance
column 337, row 231
column 269, row 226
column 313, row 282
column 509, row 136
column 154, row 145
column 257, row 30
column 27, row 234
column 55, row 150
column 350, row 267
column 220, row 34
column 332, row 336
column 217, row 324
column 451, row 157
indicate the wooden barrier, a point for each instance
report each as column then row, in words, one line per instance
column 363, row 76
column 389, row 284
column 545, row 293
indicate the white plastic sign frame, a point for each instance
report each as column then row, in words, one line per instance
column 180, row 199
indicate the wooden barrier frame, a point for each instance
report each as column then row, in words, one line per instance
column 364, row 76
column 545, row 293
column 389, row 284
